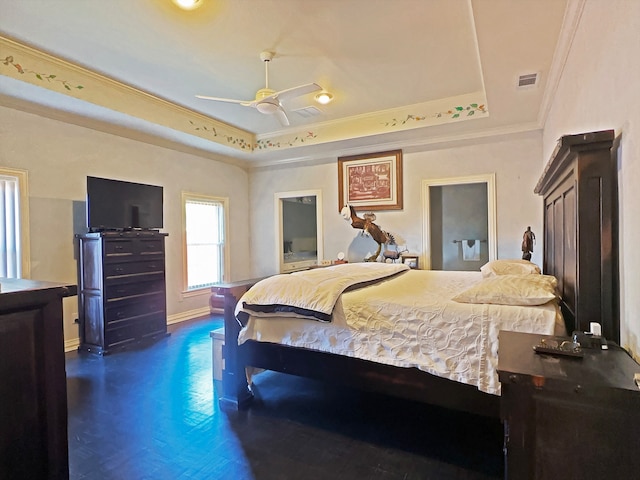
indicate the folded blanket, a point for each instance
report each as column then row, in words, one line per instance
column 312, row 293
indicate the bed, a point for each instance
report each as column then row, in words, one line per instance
column 578, row 162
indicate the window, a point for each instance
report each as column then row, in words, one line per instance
column 14, row 222
column 205, row 221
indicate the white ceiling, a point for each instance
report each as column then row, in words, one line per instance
column 373, row 55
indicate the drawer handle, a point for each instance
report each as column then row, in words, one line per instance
column 119, row 269
column 119, row 247
column 120, row 290
column 119, row 314
column 152, row 265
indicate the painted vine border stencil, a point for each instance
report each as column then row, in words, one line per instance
column 453, row 113
column 13, row 62
column 264, row 144
column 49, row 77
column 240, row 142
column 39, row 68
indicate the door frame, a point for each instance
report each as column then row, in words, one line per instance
column 278, row 199
column 490, row 180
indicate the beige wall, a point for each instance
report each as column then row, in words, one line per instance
column 600, row 89
column 59, row 156
column 515, row 160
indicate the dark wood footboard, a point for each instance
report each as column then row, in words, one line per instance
column 235, row 390
column 408, row 383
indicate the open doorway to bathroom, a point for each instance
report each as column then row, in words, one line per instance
column 460, row 232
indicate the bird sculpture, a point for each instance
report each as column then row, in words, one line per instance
column 368, row 228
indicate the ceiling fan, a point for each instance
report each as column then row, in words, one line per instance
column 268, row 101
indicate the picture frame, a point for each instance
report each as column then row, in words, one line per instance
column 371, row 181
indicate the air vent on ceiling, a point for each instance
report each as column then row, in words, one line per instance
column 307, row 112
column 527, row 80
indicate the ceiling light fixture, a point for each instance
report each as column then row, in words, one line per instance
column 324, row 97
column 268, row 107
column 188, row 4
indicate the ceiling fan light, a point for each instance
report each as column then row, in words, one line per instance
column 188, row 4
column 324, row 97
column 267, row 107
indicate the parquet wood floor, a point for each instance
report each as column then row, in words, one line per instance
column 152, row 413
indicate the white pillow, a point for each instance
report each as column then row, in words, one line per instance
column 525, row 290
column 508, row 267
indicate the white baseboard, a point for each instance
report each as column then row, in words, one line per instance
column 74, row 343
column 70, row 345
column 188, row 315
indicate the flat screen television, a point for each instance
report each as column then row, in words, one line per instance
column 120, row 205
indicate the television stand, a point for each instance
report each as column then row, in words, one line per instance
column 121, row 289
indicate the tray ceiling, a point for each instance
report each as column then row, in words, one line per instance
column 402, row 73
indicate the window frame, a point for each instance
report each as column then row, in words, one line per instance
column 198, row 197
column 25, row 239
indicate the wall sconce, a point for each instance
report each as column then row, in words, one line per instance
column 324, row 97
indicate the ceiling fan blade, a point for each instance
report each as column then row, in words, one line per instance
column 227, row 100
column 296, row 91
column 267, row 101
column 282, row 117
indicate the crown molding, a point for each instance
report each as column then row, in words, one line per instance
column 26, row 64
column 570, row 23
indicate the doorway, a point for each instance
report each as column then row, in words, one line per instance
column 460, row 232
column 299, row 229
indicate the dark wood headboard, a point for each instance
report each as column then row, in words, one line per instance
column 579, row 187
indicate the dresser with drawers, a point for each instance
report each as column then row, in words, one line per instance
column 121, row 289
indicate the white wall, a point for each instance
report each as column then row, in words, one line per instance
column 515, row 160
column 59, row 156
column 599, row 90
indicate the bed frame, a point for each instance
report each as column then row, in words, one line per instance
column 579, row 190
column 579, row 187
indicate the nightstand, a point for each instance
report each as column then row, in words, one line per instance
column 568, row 418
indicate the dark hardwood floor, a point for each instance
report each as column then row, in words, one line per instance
column 152, row 413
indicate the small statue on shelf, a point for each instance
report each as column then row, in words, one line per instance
column 528, row 240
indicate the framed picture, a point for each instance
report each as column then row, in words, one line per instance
column 371, row 182
column 410, row 260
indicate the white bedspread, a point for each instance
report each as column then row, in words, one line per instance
column 410, row 321
column 314, row 290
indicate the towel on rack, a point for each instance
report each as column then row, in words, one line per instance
column 471, row 250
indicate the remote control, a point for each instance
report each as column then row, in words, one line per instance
column 568, row 349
